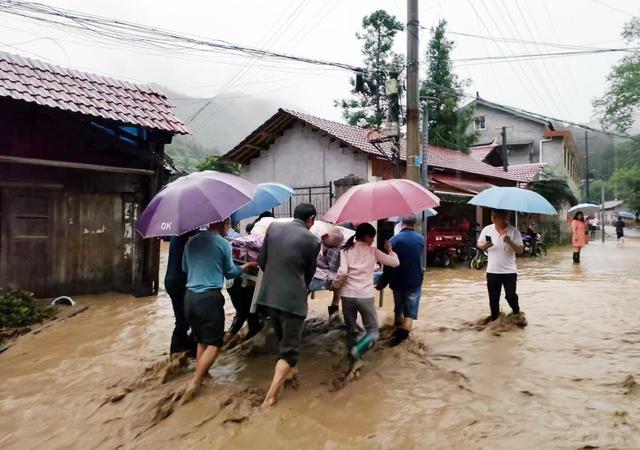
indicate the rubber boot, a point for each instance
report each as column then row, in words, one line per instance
column 400, row 336
column 578, row 258
column 332, row 309
column 365, row 344
column 575, row 258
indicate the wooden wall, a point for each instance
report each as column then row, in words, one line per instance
column 70, row 231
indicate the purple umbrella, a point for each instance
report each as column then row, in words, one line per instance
column 194, row 201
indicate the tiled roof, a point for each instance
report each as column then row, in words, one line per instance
column 33, row 81
column 527, row 172
column 480, row 152
column 438, row 156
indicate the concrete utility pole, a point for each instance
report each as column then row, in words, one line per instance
column 413, row 91
column 586, row 160
column 424, row 173
column 505, row 155
column 393, row 94
column 602, row 209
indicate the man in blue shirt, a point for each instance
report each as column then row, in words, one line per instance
column 207, row 261
column 406, row 279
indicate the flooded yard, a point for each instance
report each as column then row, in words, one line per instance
column 567, row 381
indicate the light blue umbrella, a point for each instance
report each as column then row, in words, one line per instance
column 585, row 208
column 514, row 199
column 266, row 197
column 626, row 215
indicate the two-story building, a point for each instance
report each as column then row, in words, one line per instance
column 533, row 142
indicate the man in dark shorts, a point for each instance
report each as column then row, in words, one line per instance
column 406, row 279
column 207, row 261
column 619, row 224
column 288, row 259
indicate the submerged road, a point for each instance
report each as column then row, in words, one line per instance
column 566, row 381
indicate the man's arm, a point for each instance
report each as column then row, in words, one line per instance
column 310, row 269
column 482, row 242
column 515, row 243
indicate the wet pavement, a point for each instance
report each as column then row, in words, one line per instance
column 565, row 381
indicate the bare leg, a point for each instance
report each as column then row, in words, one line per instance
column 399, row 320
column 282, row 372
column 407, row 322
column 335, row 300
column 207, row 355
column 199, row 351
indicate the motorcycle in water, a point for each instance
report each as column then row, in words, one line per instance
column 533, row 248
column 479, row 260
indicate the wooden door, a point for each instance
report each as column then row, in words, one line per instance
column 25, row 240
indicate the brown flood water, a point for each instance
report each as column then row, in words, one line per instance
column 558, row 383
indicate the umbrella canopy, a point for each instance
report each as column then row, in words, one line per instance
column 585, row 208
column 193, row 201
column 266, row 197
column 379, row 200
column 514, row 199
column 430, row 212
column 626, row 215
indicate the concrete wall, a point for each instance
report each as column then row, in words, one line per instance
column 518, row 129
column 301, row 157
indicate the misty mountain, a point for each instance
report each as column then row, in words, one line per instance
column 217, row 124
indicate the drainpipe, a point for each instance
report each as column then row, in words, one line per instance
column 542, row 141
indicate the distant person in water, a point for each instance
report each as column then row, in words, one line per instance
column 579, row 238
column 358, row 261
column 502, row 242
column 175, row 283
column 619, row 224
column 288, row 260
column 207, row 261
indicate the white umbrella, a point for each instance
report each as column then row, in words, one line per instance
column 585, row 208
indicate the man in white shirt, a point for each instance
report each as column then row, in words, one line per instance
column 502, row 242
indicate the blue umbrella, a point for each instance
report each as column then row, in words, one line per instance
column 626, row 215
column 514, row 199
column 266, row 197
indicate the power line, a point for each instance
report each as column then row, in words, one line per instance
column 157, row 37
column 613, row 8
column 558, row 99
column 524, row 41
column 538, row 56
column 538, row 99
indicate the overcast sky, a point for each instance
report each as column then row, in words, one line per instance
column 325, row 29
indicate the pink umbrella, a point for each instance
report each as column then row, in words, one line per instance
column 381, row 199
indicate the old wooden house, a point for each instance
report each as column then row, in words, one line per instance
column 80, row 156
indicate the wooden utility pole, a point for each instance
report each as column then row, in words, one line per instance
column 505, row 154
column 413, row 91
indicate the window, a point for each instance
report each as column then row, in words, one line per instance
column 479, row 123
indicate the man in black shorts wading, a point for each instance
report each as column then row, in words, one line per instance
column 207, row 261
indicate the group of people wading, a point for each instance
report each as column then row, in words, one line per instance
column 199, row 264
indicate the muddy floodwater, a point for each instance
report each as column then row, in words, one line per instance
column 568, row 380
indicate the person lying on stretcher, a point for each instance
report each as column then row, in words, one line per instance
column 328, row 263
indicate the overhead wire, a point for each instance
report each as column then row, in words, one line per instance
column 556, row 99
column 511, row 66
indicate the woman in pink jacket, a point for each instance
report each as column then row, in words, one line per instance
column 579, row 238
column 358, row 260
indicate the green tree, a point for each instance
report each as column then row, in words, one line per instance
column 626, row 181
column 616, row 108
column 595, row 191
column 218, row 163
column 444, row 92
column 369, row 106
column 555, row 188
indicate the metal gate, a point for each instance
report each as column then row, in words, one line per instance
column 319, row 196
